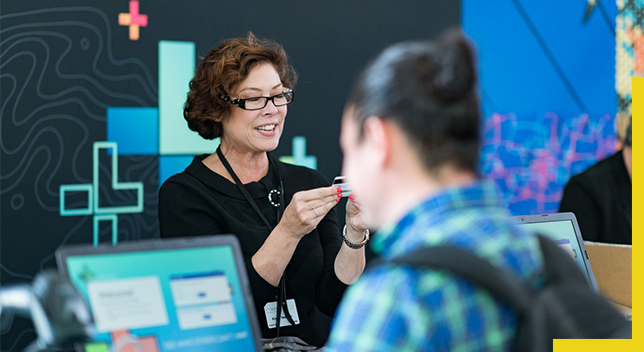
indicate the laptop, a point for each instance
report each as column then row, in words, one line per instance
column 563, row 229
column 183, row 295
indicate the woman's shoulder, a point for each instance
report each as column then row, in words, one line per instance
column 598, row 175
column 189, row 176
column 177, row 185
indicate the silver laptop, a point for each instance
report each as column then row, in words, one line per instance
column 563, row 229
column 182, row 295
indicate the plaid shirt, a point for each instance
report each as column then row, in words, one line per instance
column 399, row 308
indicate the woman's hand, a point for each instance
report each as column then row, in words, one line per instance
column 349, row 263
column 356, row 226
column 307, row 209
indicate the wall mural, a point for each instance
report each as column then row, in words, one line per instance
column 629, row 54
column 59, row 76
column 531, row 159
column 549, row 103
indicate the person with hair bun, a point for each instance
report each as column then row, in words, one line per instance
column 283, row 214
column 410, row 138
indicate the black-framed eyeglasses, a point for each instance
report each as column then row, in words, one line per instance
column 258, row 103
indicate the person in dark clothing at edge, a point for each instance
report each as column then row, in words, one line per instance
column 283, row 214
column 601, row 197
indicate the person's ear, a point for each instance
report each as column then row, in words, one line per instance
column 377, row 139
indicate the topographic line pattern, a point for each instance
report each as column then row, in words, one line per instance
column 59, row 72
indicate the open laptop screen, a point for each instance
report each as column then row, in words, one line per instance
column 562, row 228
column 171, row 295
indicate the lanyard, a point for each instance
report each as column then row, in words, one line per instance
column 280, row 210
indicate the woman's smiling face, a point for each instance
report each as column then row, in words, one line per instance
column 256, row 130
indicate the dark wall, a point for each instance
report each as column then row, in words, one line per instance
column 63, row 63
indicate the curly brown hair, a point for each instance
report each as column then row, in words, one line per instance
column 223, row 69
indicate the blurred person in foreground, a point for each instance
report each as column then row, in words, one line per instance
column 410, row 138
column 602, row 196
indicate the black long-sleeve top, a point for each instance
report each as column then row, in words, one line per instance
column 199, row 201
column 601, row 199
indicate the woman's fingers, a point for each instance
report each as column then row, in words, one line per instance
column 308, row 208
column 324, row 193
column 330, row 204
column 318, row 196
column 330, row 198
column 316, row 203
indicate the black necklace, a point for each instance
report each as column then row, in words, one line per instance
column 281, row 289
column 274, row 195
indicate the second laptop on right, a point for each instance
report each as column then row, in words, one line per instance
column 563, row 229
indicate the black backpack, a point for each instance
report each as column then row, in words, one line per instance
column 564, row 308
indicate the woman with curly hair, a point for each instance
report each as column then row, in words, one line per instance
column 282, row 214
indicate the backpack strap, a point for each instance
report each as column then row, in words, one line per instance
column 480, row 272
column 565, row 307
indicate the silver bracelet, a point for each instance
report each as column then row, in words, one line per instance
column 354, row 245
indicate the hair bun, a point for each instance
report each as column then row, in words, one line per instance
column 455, row 74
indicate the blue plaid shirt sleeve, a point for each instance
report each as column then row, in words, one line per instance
column 403, row 309
column 378, row 313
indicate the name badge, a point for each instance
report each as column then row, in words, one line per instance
column 270, row 310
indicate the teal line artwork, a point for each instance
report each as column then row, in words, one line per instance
column 102, row 213
column 125, row 186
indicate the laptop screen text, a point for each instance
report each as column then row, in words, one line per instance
column 165, row 300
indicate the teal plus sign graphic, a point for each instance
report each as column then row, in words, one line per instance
column 299, row 155
column 103, row 213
